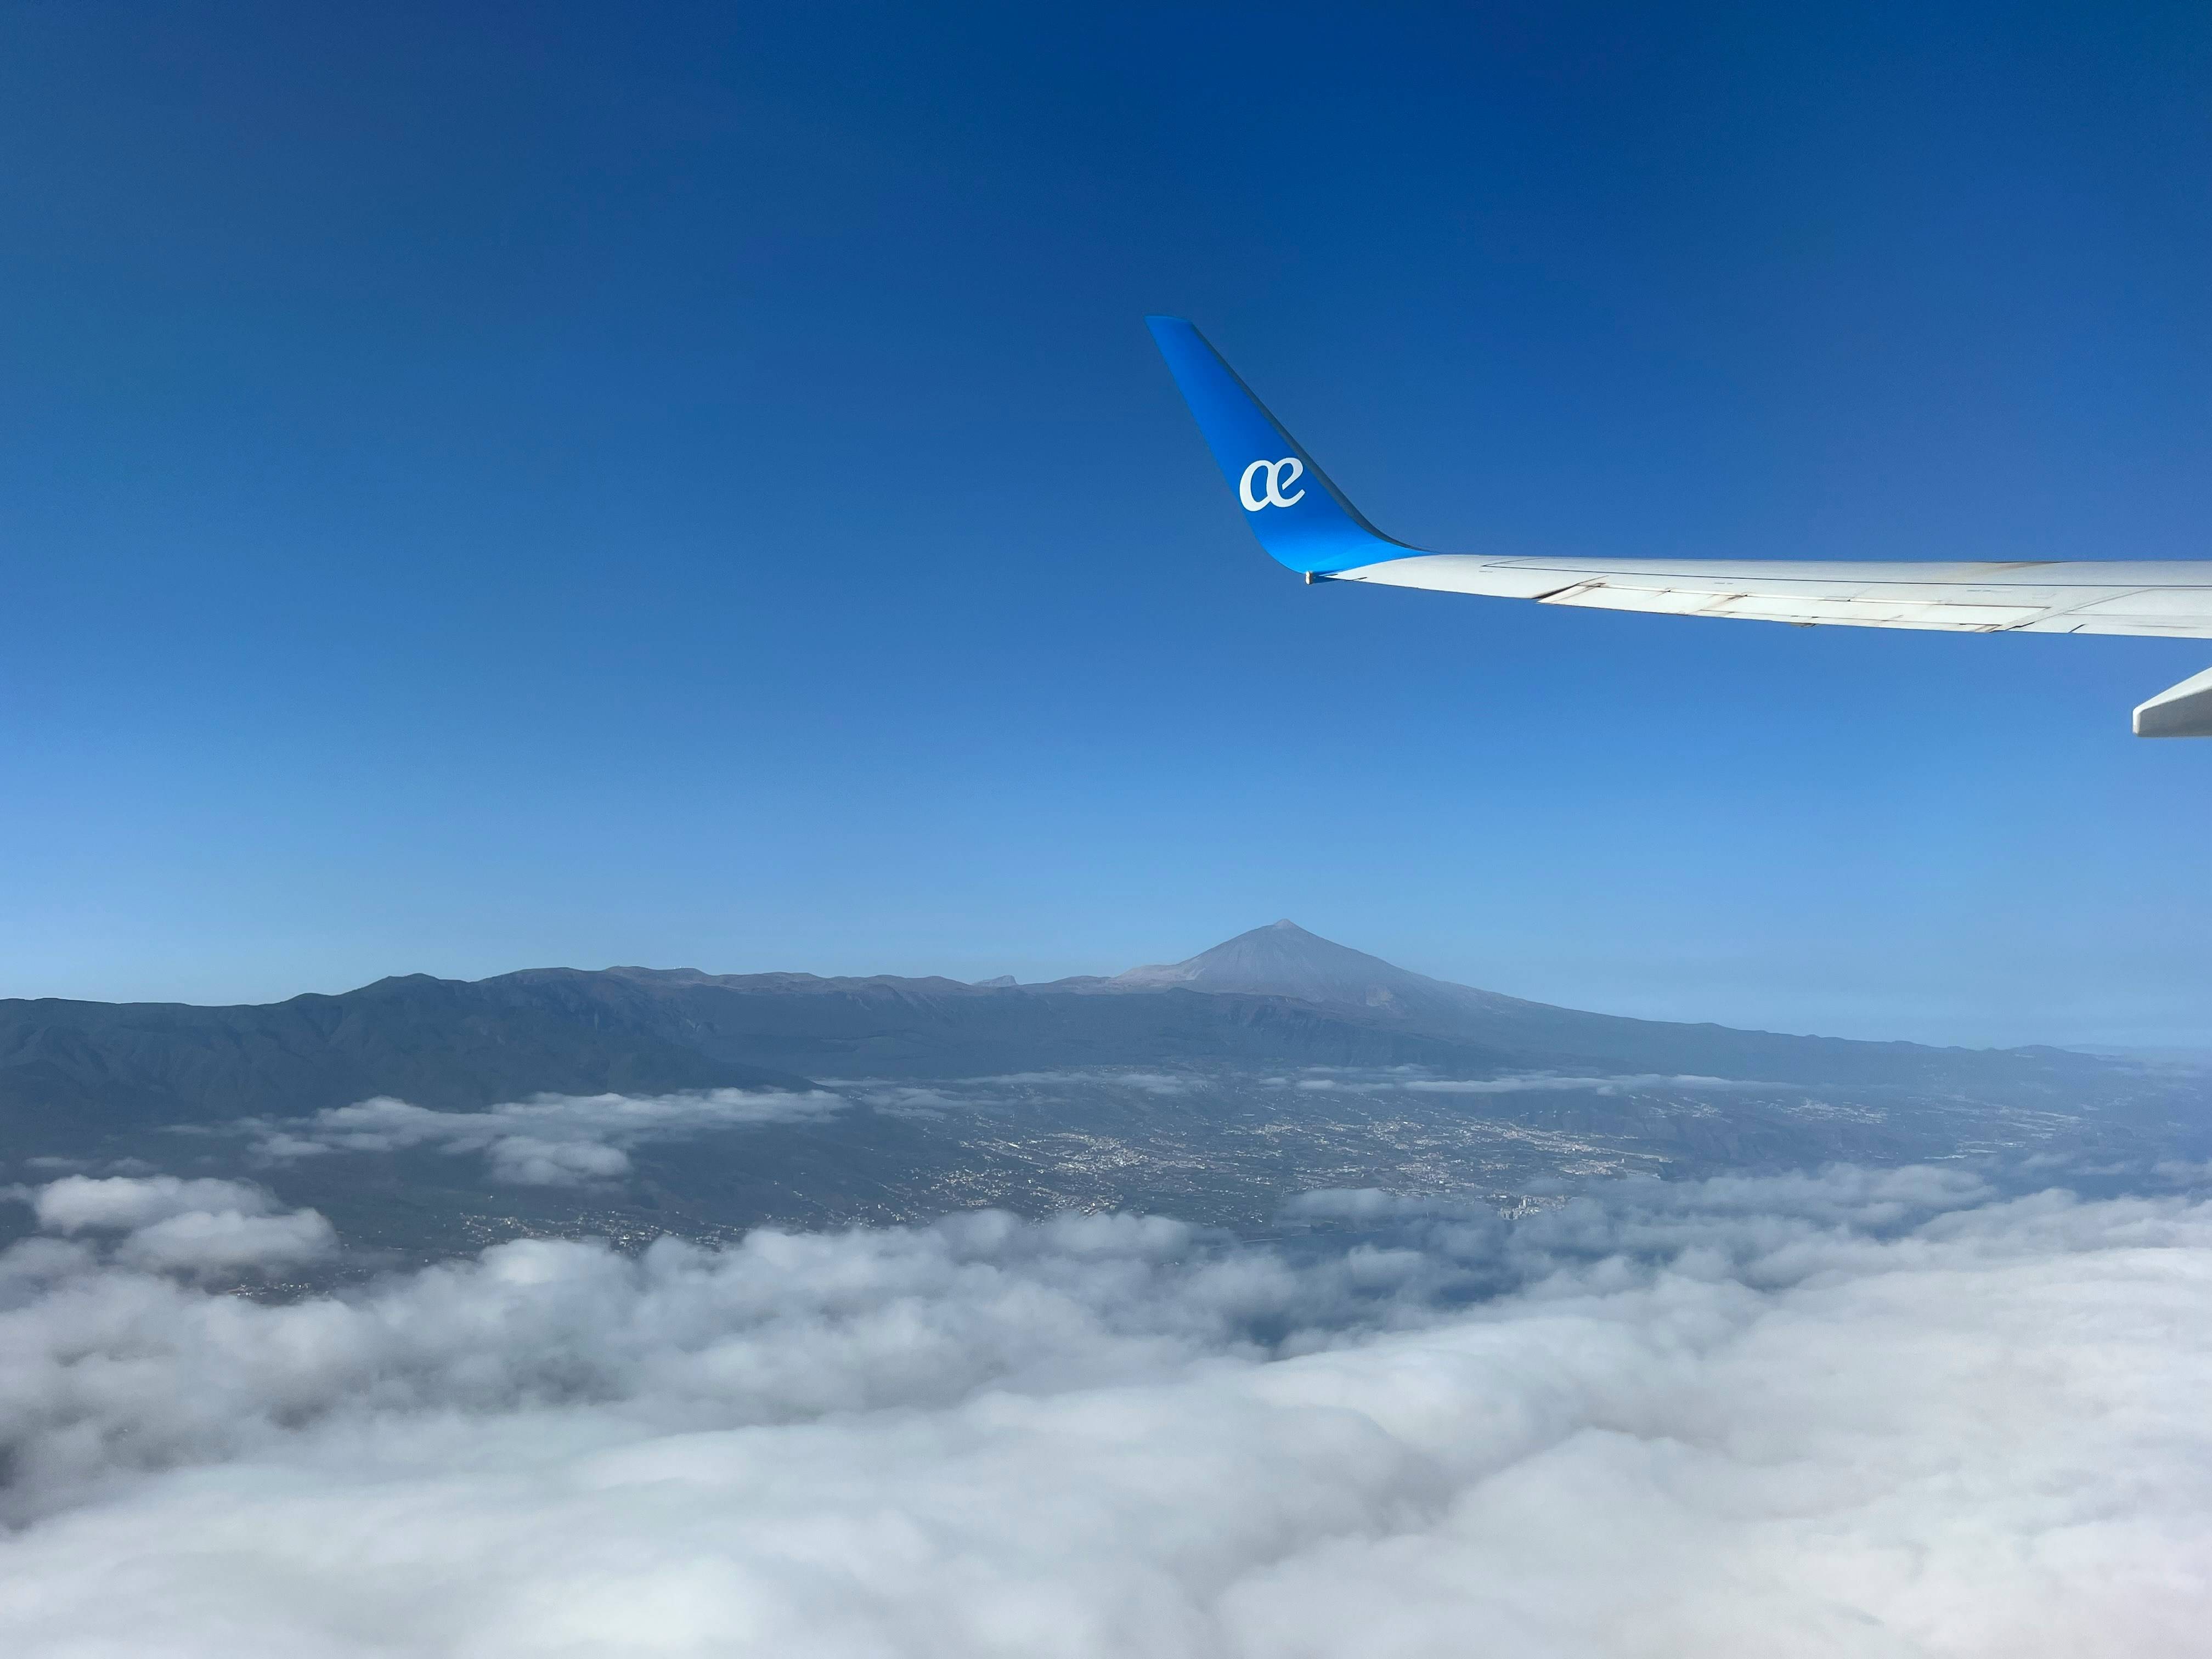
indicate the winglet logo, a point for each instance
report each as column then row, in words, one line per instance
column 1285, row 471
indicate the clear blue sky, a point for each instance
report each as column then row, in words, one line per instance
column 488, row 486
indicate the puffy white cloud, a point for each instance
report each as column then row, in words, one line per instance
column 552, row 1140
column 1855, row 1414
column 77, row 1203
column 209, row 1228
column 528, row 1161
column 227, row 1242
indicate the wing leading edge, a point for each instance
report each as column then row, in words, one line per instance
column 1306, row 523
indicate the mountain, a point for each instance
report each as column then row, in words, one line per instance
column 70, row 1070
column 442, row 1043
column 1278, row 996
column 1285, row 960
column 1213, row 1089
column 889, row 1027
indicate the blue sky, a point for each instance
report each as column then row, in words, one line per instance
column 490, row 486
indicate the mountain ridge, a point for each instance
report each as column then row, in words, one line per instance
column 1275, row 996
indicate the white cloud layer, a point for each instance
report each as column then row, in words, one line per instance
column 552, row 1140
column 1849, row 1414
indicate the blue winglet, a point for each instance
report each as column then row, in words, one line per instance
column 1300, row 517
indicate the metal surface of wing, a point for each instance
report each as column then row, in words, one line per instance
column 2170, row 599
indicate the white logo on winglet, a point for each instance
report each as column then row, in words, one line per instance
column 1285, row 471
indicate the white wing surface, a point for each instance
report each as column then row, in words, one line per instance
column 2170, row 599
column 1305, row 521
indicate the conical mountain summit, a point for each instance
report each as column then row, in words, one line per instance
column 1285, row 960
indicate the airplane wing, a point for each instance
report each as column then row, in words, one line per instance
column 1306, row 523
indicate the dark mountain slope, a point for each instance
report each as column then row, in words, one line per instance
column 439, row 1042
column 888, row 1027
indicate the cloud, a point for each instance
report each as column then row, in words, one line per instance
column 1878, row 1413
column 1007, row 1088
column 912, row 1101
column 1322, row 1079
column 227, row 1243
column 1150, row 1082
column 551, row 1140
column 209, row 1228
column 78, row 1203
